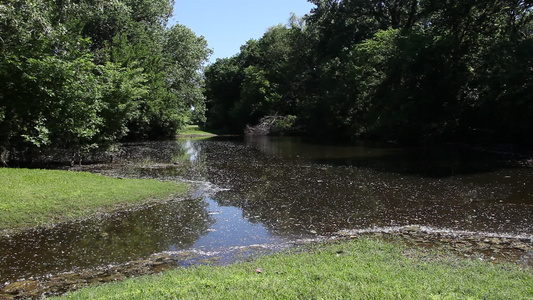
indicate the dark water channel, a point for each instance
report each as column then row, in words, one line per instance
column 265, row 192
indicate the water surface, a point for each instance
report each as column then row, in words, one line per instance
column 269, row 191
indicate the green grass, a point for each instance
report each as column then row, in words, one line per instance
column 194, row 131
column 40, row 197
column 364, row 269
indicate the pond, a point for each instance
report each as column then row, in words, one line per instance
column 260, row 194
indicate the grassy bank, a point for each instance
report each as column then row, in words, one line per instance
column 194, row 131
column 39, row 197
column 363, row 269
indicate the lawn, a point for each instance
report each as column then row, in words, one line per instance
column 359, row 269
column 31, row 197
column 194, row 131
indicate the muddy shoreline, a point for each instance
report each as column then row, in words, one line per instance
column 493, row 248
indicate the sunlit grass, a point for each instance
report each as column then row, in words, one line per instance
column 40, row 197
column 364, row 269
column 194, row 131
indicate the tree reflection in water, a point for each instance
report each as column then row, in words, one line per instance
column 118, row 238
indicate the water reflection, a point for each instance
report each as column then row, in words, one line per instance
column 275, row 190
column 111, row 239
column 231, row 228
column 429, row 161
column 293, row 187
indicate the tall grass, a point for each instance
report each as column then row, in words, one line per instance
column 41, row 197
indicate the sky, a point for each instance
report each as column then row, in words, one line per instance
column 228, row 24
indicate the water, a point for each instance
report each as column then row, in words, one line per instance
column 270, row 191
column 231, row 229
column 292, row 187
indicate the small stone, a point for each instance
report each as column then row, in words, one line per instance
column 495, row 241
column 483, row 246
column 521, row 247
column 412, row 229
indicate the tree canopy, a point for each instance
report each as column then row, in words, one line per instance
column 76, row 74
column 405, row 70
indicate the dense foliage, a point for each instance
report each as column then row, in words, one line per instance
column 75, row 74
column 406, row 70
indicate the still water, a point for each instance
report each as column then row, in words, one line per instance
column 271, row 191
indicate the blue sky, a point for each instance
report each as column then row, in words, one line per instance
column 228, row 24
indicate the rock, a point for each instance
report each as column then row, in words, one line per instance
column 483, row 246
column 21, row 287
column 411, row 229
column 521, row 247
column 493, row 241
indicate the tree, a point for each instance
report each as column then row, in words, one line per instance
column 223, row 88
column 415, row 71
column 81, row 74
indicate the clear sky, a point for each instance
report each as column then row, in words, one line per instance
column 228, row 24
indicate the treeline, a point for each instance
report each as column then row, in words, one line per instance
column 75, row 74
column 405, row 70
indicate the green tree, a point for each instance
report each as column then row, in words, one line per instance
column 252, row 84
column 223, row 88
column 413, row 71
column 79, row 74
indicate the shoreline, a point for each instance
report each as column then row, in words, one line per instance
column 488, row 247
